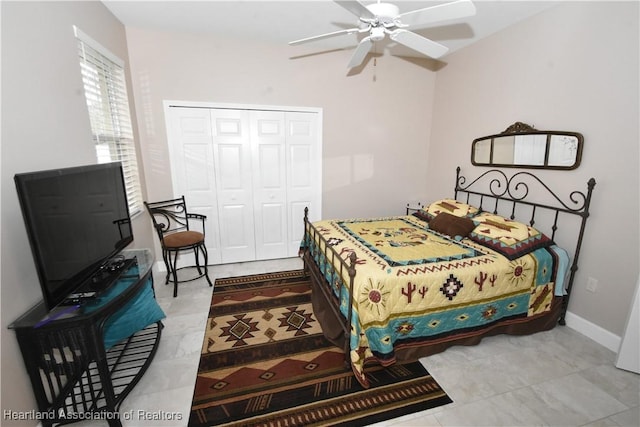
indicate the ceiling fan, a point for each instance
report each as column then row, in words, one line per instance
column 381, row 19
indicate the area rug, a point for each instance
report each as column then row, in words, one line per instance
column 265, row 362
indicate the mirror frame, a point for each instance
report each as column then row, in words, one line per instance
column 519, row 128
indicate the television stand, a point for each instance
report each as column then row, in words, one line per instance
column 77, row 374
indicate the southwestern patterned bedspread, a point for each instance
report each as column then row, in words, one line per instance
column 415, row 284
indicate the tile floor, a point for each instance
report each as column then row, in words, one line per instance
column 554, row 378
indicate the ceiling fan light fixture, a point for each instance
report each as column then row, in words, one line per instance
column 385, row 13
column 377, row 34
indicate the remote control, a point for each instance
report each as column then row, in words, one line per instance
column 82, row 295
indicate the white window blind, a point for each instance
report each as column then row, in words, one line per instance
column 106, row 93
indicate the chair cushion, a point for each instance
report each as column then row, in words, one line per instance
column 183, row 239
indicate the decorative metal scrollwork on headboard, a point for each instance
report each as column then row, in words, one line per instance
column 516, row 188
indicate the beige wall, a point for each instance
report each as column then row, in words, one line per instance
column 573, row 67
column 44, row 125
column 376, row 123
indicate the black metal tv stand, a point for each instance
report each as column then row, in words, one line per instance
column 74, row 377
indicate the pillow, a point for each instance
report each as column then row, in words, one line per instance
column 421, row 214
column 136, row 314
column 450, row 206
column 510, row 238
column 451, row 225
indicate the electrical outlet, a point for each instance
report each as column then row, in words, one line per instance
column 592, row 284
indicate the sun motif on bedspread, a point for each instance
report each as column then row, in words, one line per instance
column 518, row 272
column 373, row 297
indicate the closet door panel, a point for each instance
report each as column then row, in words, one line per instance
column 273, row 216
column 232, row 157
column 232, row 170
column 301, row 170
column 269, row 183
column 304, row 176
column 193, row 173
column 234, row 232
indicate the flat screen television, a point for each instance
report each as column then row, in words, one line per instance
column 77, row 220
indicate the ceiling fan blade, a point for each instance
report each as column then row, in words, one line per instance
column 357, row 8
column 325, row 36
column 441, row 12
column 361, row 52
column 419, row 43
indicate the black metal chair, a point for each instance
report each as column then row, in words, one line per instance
column 172, row 223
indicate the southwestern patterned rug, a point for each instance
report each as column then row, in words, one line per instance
column 265, row 362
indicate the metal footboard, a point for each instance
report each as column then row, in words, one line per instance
column 324, row 264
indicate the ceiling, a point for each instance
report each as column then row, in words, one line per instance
column 283, row 21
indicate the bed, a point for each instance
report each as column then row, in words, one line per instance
column 449, row 272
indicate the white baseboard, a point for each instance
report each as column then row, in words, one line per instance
column 593, row 331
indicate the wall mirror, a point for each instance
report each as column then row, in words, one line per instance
column 522, row 146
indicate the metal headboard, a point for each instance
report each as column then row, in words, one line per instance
column 512, row 192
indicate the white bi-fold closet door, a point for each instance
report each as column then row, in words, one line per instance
column 252, row 172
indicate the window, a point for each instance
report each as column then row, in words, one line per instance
column 106, row 94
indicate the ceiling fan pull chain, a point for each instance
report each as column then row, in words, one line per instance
column 375, row 61
column 375, row 55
